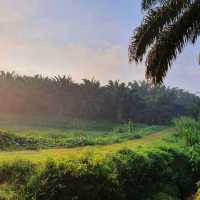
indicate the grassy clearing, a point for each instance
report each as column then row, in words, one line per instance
column 29, row 147
column 36, row 138
column 75, row 153
column 113, row 177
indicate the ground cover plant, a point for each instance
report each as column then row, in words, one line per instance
column 21, row 162
column 99, row 151
column 160, row 163
column 162, row 172
column 72, row 134
column 188, row 130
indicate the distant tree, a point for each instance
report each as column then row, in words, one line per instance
column 165, row 30
column 62, row 89
column 119, row 94
column 91, row 99
column 60, row 96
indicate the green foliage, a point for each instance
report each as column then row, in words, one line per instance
column 154, row 171
column 7, row 193
column 163, row 173
column 16, row 173
column 188, row 129
column 169, row 172
column 40, row 138
column 131, row 127
column 13, row 178
column 73, row 180
column 24, row 96
column 166, row 29
column 119, row 130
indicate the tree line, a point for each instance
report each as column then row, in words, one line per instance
column 89, row 100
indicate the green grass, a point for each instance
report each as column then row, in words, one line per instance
column 70, row 140
column 35, row 138
column 97, row 154
column 99, row 151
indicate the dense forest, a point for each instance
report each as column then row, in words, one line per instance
column 116, row 101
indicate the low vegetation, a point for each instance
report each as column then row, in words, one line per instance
column 99, row 152
column 188, row 129
column 41, row 138
column 166, row 169
column 162, row 172
column 120, row 162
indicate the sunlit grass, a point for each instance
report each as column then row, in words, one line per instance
column 74, row 153
column 37, row 138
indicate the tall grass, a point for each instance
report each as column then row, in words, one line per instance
column 188, row 129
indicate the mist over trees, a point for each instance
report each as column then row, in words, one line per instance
column 116, row 101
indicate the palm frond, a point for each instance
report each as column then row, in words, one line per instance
column 152, row 25
column 171, row 42
column 147, row 4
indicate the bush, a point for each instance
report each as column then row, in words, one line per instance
column 152, row 174
column 73, row 180
column 188, row 129
column 153, row 171
column 119, row 129
column 16, row 173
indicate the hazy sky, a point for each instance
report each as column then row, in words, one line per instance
column 82, row 38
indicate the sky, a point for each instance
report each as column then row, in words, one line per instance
column 83, row 39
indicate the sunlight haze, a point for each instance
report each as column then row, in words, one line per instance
column 81, row 38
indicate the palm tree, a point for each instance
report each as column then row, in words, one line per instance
column 164, row 32
column 119, row 93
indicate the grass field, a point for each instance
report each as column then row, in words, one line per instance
column 69, row 134
column 100, row 151
column 68, row 141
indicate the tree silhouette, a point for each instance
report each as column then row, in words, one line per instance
column 164, row 32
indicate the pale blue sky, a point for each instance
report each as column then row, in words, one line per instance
column 83, row 38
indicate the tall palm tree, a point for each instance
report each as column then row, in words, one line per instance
column 164, row 32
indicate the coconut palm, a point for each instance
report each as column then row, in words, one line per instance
column 164, row 32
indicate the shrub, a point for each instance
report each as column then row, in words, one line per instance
column 119, row 129
column 153, row 171
column 16, row 173
column 131, row 127
column 152, row 174
column 188, row 129
column 136, row 136
column 73, row 180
